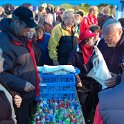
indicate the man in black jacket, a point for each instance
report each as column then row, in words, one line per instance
column 112, row 48
column 19, row 68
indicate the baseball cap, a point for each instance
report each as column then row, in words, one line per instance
column 24, row 14
column 86, row 34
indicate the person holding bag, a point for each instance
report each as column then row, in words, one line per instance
column 87, row 88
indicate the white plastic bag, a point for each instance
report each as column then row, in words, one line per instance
column 100, row 70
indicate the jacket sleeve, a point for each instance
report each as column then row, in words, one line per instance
column 71, row 59
column 98, row 118
column 6, row 75
column 54, row 42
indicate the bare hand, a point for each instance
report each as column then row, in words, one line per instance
column 79, row 84
column 78, row 80
column 18, row 100
column 112, row 81
column 29, row 87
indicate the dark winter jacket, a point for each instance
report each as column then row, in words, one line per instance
column 18, row 65
column 77, row 60
column 5, row 107
column 5, row 110
column 102, row 19
column 111, row 103
column 88, row 92
column 43, row 47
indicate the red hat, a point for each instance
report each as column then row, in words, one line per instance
column 86, row 34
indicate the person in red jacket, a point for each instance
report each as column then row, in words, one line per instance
column 90, row 19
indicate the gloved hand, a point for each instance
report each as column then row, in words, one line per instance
column 55, row 62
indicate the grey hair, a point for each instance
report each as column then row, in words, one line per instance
column 67, row 15
column 111, row 24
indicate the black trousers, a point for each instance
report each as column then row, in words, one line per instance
column 23, row 114
column 88, row 97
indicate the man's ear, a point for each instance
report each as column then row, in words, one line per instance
column 120, row 31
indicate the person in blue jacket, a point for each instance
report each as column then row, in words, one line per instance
column 42, row 42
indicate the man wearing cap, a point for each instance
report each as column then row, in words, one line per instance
column 19, row 68
column 87, row 88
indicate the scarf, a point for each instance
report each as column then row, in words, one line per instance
column 41, row 39
column 86, row 52
column 31, row 51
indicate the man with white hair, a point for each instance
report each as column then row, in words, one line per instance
column 112, row 48
column 63, row 40
column 111, row 112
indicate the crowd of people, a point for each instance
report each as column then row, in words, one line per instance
column 55, row 36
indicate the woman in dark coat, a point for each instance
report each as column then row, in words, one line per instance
column 87, row 88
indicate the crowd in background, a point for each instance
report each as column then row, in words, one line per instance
column 55, row 36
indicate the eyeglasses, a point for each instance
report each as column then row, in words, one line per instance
column 108, row 37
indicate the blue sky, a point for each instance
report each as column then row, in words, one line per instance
column 58, row 2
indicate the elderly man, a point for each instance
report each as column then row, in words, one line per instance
column 112, row 48
column 63, row 40
column 19, row 68
column 113, row 54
